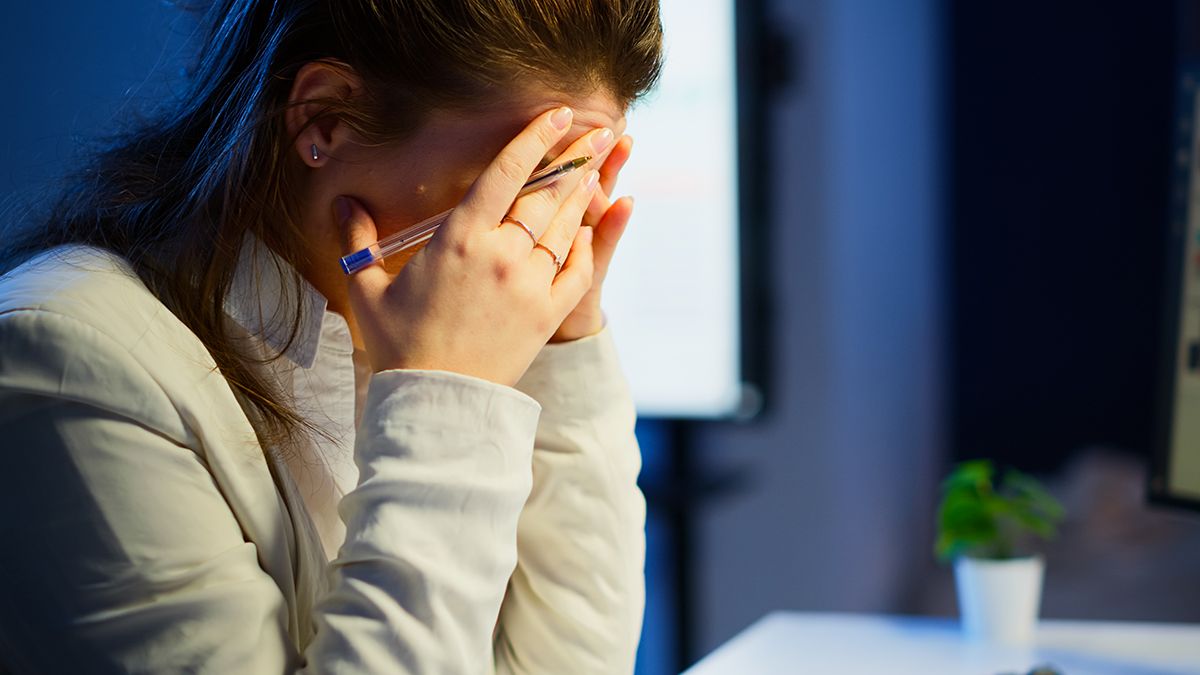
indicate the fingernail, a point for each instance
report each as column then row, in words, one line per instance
column 601, row 140
column 588, row 233
column 589, row 181
column 341, row 207
column 561, row 118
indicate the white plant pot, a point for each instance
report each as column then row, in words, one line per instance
column 998, row 600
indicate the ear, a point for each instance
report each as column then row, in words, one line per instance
column 315, row 82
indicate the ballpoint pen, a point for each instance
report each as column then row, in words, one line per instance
column 424, row 230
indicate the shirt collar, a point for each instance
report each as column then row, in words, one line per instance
column 263, row 297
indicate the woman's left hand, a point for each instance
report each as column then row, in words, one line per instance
column 608, row 220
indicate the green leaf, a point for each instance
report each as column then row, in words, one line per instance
column 977, row 519
column 1027, row 488
column 975, row 474
column 1034, row 522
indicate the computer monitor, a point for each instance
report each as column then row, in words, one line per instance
column 1175, row 470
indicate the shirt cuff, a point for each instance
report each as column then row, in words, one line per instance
column 576, row 379
column 441, row 401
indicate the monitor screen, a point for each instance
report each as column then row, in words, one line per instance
column 1175, row 477
column 672, row 293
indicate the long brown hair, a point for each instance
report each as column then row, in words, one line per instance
column 176, row 195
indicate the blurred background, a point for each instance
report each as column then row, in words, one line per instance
column 967, row 220
column 963, row 221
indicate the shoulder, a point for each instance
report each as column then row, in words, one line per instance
column 87, row 284
column 77, row 323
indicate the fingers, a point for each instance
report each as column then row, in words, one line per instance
column 491, row 194
column 576, row 276
column 358, row 231
column 596, row 208
column 614, row 163
column 561, row 233
column 608, row 234
column 537, row 208
column 609, row 172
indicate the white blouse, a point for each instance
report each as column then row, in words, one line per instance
column 483, row 529
column 323, row 377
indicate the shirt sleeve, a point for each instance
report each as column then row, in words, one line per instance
column 120, row 553
column 444, row 462
column 576, row 598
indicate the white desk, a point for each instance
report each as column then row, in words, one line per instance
column 847, row 644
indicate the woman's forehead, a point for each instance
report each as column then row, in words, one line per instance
column 594, row 110
column 477, row 136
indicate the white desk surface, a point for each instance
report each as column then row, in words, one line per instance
column 848, row 644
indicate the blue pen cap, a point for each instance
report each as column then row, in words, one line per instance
column 356, row 261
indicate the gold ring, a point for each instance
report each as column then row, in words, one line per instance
column 510, row 219
column 558, row 261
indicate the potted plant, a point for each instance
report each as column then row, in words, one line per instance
column 988, row 530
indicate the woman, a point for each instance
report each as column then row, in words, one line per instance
column 221, row 454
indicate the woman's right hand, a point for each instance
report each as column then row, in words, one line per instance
column 480, row 299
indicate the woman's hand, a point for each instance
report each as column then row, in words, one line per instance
column 480, row 299
column 608, row 221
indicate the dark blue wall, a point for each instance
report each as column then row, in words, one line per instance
column 74, row 70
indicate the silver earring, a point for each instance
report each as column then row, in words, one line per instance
column 316, row 155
